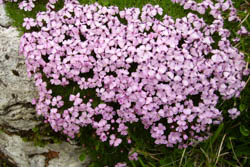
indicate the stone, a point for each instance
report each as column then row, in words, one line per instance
column 16, row 89
column 25, row 154
column 37, row 161
column 18, row 115
column 4, row 20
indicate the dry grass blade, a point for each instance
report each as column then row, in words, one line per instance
column 220, row 148
column 234, row 153
column 182, row 156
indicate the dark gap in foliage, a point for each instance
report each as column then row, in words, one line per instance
column 93, row 55
column 87, row 75
column 34, row 29
column 161, row 106
column 67, row 37
column 45, row 58
column 217, row 93
column 62, row 57
column 208, row 56
column 164, row 82
column 138, row 134
column 223, row 104
column 112, row 73
column 149, row 31
column 195, row 98
column 122, row 20
column 82, row 37
column 98, row 117
column 117, row 46
column 210, row 77
column 182, row 41
column 133, row 104
column 132, row 68
column 216, row 39
column 115, row 105
column 137, row 46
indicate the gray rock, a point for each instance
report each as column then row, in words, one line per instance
column 16, row 89
column 17, row 115
column 37, row 161
column 4, row 20
column 52, row 155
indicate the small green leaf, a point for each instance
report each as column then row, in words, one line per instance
column 25, row 139
column 244, row 131
column 35, row 129
column 82, row 157
column 228, row 144
column 97, row 146
column 242, row 107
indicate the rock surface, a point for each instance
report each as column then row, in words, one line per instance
column 24, row 154
column 17, row 115
column 16, row 89
column 4, row 20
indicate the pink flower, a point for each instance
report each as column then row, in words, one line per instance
column 234, row 113
column 133, row 156
column 114, row 141
column 28, row 23
column 26, row 6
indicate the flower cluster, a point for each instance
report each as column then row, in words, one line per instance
column 164, row 74
column 233, row 113
column 28, row 5
column 215, row 8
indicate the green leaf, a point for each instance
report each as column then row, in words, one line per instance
column 25, row 139
column 132, row 162
column 242, row 107
column 35, row 129
column 151, row 164
column 141, row 162
column 217, row 133
column 82, row 157
column 97, row 146
column 228, row 144
column 244, row 131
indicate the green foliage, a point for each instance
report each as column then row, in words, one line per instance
column 17, row 15
column 43, row 134
column 228, row 146
column 82, row 157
